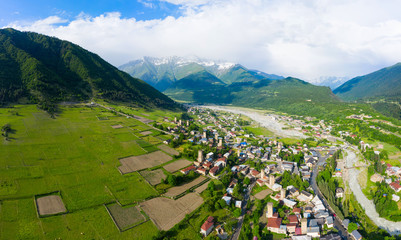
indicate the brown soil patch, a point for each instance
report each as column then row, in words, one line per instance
column 142, row 119
column 202, row 188
column 135, row 163
column 50, row 205
column 125, row 217
column 177, row 165
column 168, row 150
column 166, row 213
column 262, row 194
column 153, row 177
column 175, row 191
column 117, row 126
column 146, row 133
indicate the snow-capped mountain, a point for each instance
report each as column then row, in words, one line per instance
column 330, row 81
column 163, row 72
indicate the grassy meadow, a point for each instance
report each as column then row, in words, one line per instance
column 77, row 154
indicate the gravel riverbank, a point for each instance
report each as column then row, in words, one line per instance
column 368, row 205
column 269, row 121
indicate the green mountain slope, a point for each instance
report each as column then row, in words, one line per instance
column 289, row 95
column 383, row 83
column 46, row 69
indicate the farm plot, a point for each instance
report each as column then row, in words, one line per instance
column 177, row 165
column 175, row 191
column 202, row 188
column 135, row 163
column 50, row 205
column 262, row 194
column 168, row 149
column 117, row 126
column 126, row 217
column 153, row 177
column 166, row 213
column 145, row 133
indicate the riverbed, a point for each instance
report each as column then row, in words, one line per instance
column 269, row 121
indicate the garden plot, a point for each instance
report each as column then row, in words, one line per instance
column 262, row 194
column 165, row 213
column 117, row 126
column 168, row 149
column 50, row 205
column 202, row 188
column 153, row 177
column 177, row 165
column 145, row 133
column 125, row 218
column 135, row 163
column 175, row 191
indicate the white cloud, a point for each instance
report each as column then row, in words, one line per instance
column 305, row 39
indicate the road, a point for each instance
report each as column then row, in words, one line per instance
column 237, row 232
column 337, row 221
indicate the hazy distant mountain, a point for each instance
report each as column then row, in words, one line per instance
column 383, row 83
column 163, row 72
column 46, row 70
column 330, row 81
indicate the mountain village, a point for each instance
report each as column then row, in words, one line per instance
column 259, row 168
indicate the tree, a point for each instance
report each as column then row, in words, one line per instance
column 247, row 181
column 211, row 186
column 352, row 226
column 6, row 129
column 172, row 180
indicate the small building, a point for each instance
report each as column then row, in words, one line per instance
column 188, row 169
column 356, row 235
column 273, row 224
column 395, row 186
column 213, row 172
column 207, row 226
column 339, row 192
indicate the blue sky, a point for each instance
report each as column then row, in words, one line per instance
column 28, row 10
column 308, row 39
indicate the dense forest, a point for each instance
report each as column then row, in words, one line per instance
column 47, row 70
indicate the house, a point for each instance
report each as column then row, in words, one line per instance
column 293, row 219
column 273, row 224
column 214, row 171
column 293, row 192
column 227, row 199
column 331, row 236
column 305, row 196
column 291, row 228
column 297, row 211
column 395, row 198
column 188, row 169
column 301, row 237
column 339, row 192
column 254, row 173
column 330, row 222
column 202, row 171
column 356, row 235
column 238, row 204
column 395, row 186
column 221, row 233
column 313, row 232
column 289, row 203
column 207, row 226
column 276, row 187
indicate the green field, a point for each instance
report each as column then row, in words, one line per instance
column 76, row 154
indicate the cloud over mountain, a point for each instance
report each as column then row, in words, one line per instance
column 306, row 39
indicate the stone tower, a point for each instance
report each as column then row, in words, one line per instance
column 269, row 212
column 282, row 194
column 204, row 134
column 272, row 180
column 220, row 142
column 304, row 225
column 262, row 174
column 200, row 156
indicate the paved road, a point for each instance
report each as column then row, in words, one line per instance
column 237, row 232
column 337, row 221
